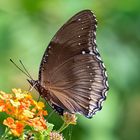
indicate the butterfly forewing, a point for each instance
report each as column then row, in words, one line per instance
column 71, row 68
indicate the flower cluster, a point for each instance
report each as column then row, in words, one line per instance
column 23, row 111
column 55, row 136
column 25, row 117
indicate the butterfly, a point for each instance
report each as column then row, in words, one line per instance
column 72, row 77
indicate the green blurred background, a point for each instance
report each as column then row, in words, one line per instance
column 27, row 26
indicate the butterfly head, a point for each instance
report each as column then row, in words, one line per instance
column 42, row 91
column 34, row 83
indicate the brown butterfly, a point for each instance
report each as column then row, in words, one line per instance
column 72, row 77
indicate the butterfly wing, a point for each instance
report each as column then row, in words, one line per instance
column 71, row 68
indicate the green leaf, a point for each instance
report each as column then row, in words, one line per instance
column 50, row 126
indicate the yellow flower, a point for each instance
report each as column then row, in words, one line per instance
column 4, row 96
column 18, row 94
column 69, row 118
column 40, row 105
column 16, row 90
column 28, row 113
column 15, row 103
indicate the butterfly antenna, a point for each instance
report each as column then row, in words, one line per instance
column 25, row 69
column 20, row 69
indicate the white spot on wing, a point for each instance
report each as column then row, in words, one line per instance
column 96, row 50
column 91, row 107
column 91, row 52
column 89, row 88
column 107, row 83
column 105, row 75
column 105, row 71
column 83, row 52
column 99, row 58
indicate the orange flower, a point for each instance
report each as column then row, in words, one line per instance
column 9, row 109
column 16, row 127
column 42, row 113
column 9, row 122
column 38, row 123
column 23, row 111
column 2, row 105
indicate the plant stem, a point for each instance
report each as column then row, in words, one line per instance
column 5, row 134
column 41, row 137
column 64, row 126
